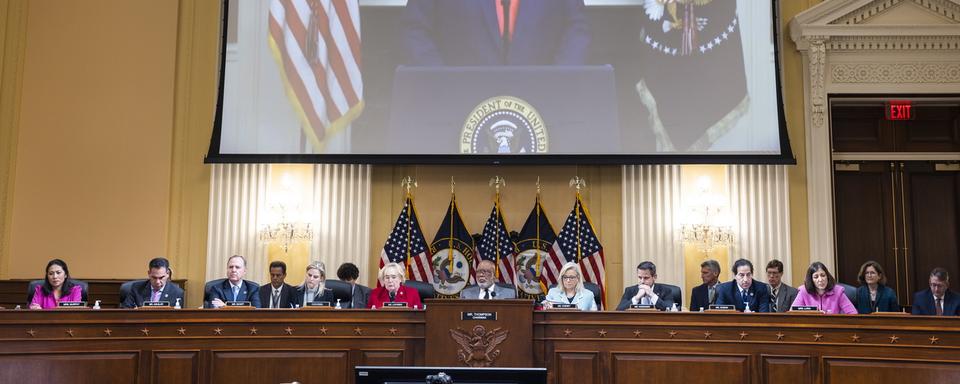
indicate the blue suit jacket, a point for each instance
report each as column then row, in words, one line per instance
column 700, row 298
column 758, row 296
column 886, row 300
column 466, row 32
column 249, row 291
column 923, row 303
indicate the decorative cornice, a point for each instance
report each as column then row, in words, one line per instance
column 943, row 8
column 894, row 43
column 895, row 73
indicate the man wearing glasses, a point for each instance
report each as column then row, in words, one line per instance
column 486, row 289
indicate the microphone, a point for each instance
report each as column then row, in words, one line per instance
column 393, row 296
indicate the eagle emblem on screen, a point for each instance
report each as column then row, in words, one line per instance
column 504, row 125
column 478, row 348
column 686, row 27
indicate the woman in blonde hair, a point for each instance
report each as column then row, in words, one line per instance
column 313, row 288
column 571, row 290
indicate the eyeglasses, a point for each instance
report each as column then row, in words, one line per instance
column 391, row 277
column 571, row 277
column 484, row 272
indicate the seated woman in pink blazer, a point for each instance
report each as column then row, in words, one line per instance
column 820, row 289
column 56, row 287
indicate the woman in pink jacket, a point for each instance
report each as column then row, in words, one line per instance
column 56, row 287
column 821, row 290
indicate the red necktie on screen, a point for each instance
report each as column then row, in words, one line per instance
column 514, row 5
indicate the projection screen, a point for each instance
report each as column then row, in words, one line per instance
column 500, row 81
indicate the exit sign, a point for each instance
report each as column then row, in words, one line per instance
column 899, row 110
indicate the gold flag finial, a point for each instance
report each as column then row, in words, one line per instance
column 408, row 183
column 538, row 185
column 453, row 185
column 498, row 183
column 578, row 182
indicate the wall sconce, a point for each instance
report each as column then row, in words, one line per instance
column 705, row 222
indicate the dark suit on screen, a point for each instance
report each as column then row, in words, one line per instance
column 466, row 32
column 668, row 295
column 758, row 296
column 923, row 303
column 141, row 291
column 286, row 295
column 249, row 291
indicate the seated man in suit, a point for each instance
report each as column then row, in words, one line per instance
column 155, row 288
column 278, row 293
column 349, row 273
column 744, row 290
column 938, row 300
column 781, row 294
column 661, row 296
column 235, row 288
column 705, row 294
column 485, row 288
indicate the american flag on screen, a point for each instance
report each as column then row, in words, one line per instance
column 406, row 243
column 577, row 242
column 496, row 246
column 317, row 47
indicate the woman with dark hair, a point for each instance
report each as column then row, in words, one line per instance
column 821, row 290
column 873, row 294
column 56, row 287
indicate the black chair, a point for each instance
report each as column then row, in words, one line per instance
column 675, row 290
column 31, row 288
column 125, row 289
column 206, row 291
column 593, row 288
column 341, row 290
column 850, row 291
column 425, row 289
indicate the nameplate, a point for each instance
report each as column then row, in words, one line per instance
column 804, row 308
column 719, row 307
column 642, row 307
column 318, row 304
column 564, row 306
column 156, row 304
column 395, row 304
column 478, row 315
column 72, row 304
column 238, row 304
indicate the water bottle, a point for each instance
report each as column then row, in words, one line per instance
column 674, row 308
column 338, row 305
column 176, row 305
column 96, row 304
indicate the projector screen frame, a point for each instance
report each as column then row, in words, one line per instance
column 785, row 156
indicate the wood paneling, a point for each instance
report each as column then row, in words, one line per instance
column 892, row 371
column 676, row 368
column 175, row 367
column 785, row 369
column 76, row 367
column 500, row 342
column 318, row 366
column 381, row 358
column 860, row 125
column 577, row 367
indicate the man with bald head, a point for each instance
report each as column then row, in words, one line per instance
column 486, row 289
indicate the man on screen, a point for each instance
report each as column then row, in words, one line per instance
column 234, row 287
column 485, row 288
column 473, row 32
column 646, row 292
column 156, row 288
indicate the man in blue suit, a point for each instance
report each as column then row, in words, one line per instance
column 743, row 290
column 234, row 288
column 471, row 32
column 705, row 294
column 938, row 300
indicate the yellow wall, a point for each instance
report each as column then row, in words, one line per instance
column 101, row 148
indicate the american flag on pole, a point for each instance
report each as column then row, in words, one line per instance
column 496, row 246
column 317, row 46
column 577, row 242
column 406, row 243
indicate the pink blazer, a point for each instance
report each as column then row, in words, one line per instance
column 48, row 302
column 834, row 301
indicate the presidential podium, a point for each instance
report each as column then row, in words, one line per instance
column 505, row 109
column 479, row 333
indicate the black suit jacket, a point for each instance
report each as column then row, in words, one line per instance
column 758, row 296
column 359, row 297
column 923, row 303
column 249, row 291
column 286, row 293
column 667, row 293
column 141, row 291
column 700, row 298
column 325, row 295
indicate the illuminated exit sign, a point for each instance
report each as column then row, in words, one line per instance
column 899, row 110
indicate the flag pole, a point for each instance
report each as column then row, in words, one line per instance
column 497, row 182
column 408, row 183
column 536, row 249
column 453, row 204
column 578, row 183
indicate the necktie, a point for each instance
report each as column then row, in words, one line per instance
column 645, row 300
column 743, row 296
column 275, row 302
column 713, row 294
column 236, row 293
column 939, row 306
column 155, row 296
column 514, row 4
column 486, row 294
column 773, row 300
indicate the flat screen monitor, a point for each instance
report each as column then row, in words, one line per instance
column 419, row 375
